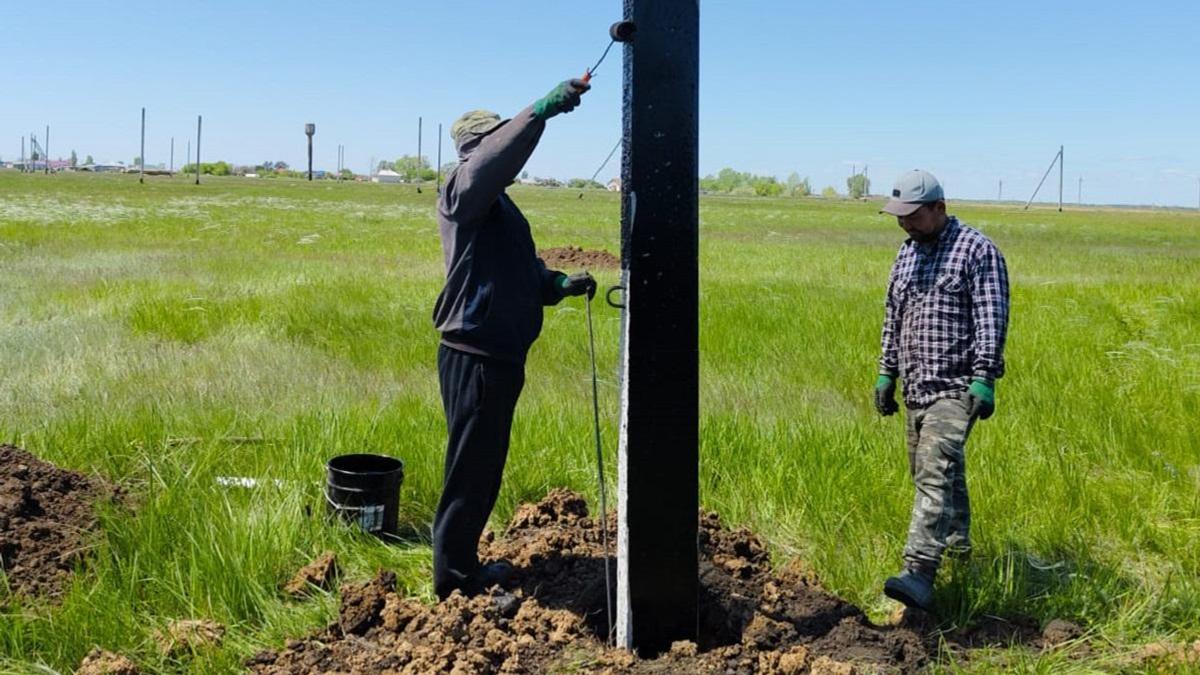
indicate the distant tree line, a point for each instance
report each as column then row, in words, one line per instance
column 858, row 186
column 410, row 168
column 731, row 181
column 210, row 168
column 584, row 184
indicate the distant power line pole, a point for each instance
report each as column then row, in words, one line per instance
column 1000, row 192
column 142, row 152
column 199, row 120
column 47, row 149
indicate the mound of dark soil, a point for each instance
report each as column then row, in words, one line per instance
column 575, row 258
column 553, row 616
column 46, row 515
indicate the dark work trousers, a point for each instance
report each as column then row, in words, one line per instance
column 479, row 395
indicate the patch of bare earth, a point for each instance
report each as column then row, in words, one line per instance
column 553, row 615
column 102, row 662
column 47, row 516
column 576, row 258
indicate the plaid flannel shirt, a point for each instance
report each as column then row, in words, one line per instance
column 946, row 316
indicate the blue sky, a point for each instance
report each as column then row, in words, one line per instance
column 976, row 92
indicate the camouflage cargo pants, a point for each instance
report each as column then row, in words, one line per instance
column 941, row 512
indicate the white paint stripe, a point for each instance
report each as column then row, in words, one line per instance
column 624, row 635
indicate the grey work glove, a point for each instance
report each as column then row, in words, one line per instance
column 578, row 284
column 885, row 395
column 562, row 99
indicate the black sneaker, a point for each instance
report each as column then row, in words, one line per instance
column 911, row 588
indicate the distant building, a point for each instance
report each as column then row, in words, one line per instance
column 40, row 165
column 614, row 185
column 387, row 176
column 100, row 167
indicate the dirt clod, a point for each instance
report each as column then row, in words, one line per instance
column 576, row 258
column 103, row 662
column 1059, row 631
column 827, row 666
column 683, row 649
column 554, row 615
column 184, row 635
column 46, row 518
column 319, row 573
column 363, row 604
column 1166, row 655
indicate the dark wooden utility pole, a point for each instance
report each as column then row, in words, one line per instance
column 47, row 149
column 309, row 130
column 657, row 561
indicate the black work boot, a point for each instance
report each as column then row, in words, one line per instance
column 913, row 587
column 497, row 573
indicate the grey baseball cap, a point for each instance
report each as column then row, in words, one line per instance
column 912, row 189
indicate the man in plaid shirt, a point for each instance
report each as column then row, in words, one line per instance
column 944, row 328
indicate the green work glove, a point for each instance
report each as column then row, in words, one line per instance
column 885, row 395
column 577, row 284
column 981, row 399
column 561, row 99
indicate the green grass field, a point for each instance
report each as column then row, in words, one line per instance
column 144, row 330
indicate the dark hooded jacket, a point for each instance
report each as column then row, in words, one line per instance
column 496, row 285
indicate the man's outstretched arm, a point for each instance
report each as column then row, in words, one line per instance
column 494, row 164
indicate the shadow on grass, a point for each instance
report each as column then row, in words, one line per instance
column 1005, row 599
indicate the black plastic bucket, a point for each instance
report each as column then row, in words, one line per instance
column 365, row 490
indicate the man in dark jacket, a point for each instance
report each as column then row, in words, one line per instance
column 489, row 313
